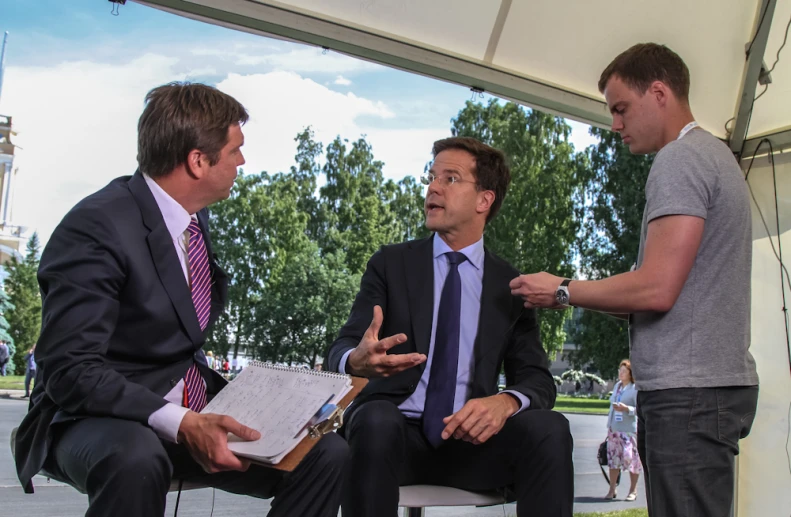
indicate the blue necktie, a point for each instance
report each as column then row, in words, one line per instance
column 444, row 363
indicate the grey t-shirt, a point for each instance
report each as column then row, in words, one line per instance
column 704, row 340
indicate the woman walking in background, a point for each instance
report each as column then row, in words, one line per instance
column 622, row 432
column 30, row 369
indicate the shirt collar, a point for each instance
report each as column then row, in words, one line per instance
column 176, row 218
column 474, row 252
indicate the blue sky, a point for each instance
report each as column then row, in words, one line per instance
column 76, row 76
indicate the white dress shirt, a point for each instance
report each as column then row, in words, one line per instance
column 167, row 420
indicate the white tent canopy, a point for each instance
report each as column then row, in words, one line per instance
column 548, row 54
column 545, row 54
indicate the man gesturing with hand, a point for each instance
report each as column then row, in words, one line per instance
column 432, row 327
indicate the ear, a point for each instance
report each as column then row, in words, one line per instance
column 197, row 164
column 659, row 91
column 485, row 201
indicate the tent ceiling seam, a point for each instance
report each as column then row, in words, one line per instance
column 497, row 31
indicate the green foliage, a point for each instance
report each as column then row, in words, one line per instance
column 23, row 312
column 580, row 376
column 609, row 242
column 537, row 226
column 565, row 403
column 295, row 252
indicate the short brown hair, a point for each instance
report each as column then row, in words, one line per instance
column 645, row 63
column 628, row 364
column 491, row 170
column 180, row 117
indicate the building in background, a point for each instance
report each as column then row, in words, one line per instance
column 12, row 242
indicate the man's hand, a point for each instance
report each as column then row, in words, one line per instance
column 206, row 438
column 370, row 358
column 480, row 419
column 537, row 290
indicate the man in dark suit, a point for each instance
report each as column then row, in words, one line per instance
column 129, row 286
column 431, row 412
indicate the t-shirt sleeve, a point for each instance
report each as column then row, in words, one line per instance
column 680, row 183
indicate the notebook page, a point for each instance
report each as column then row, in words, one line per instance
column 275, row 401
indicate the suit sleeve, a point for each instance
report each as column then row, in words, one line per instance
column 526, row 363
column 373, row 291
column 82, row 275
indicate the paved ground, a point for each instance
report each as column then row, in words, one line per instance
column 54, row 499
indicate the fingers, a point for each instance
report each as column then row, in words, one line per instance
column 397, row 363
column 516, row 283
column 389, row 342
column 473, row 435
column 227, row 460
column 230, row 425
column 376, row 322
column 486, row 434
column 454, row 421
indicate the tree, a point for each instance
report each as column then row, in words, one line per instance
column 609, row 242
column 295, row 252
column 5, row 327
column 21, row 286
column 537, row 226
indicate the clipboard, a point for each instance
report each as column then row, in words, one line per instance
column 315, row 432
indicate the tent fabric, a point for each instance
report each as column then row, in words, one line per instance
column 764, row 465
column 542, row 53
column 548, row 54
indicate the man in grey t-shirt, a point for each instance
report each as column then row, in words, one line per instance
column 688, row 298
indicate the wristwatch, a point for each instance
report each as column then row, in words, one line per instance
column 562, row 294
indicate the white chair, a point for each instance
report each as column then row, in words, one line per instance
column 415, row 498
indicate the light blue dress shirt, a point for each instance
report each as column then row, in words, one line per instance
column 471, row 273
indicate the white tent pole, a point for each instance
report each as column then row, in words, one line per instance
column 752, row 69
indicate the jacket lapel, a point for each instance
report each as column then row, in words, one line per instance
column 165, row 258
column 419, row 274
column 495, row 310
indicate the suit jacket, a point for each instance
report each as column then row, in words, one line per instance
column 119, row 329
column 400, row 279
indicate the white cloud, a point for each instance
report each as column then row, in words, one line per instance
column 281, row 104
column 340, row 80
column 287, row 57
column 77, row 126
column 308, row 59
column 77, row 130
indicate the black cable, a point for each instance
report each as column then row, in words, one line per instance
column 784, row 275
column 178, row 498
column 779, row 256
column 757, row 30
column 777, row 57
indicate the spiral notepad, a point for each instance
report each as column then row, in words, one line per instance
column 278, row 401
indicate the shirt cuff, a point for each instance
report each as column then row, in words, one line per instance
column 342, row 365
column 521, row 397
column 166, row 421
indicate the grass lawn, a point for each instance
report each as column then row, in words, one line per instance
column 637, row 512
column 580, row 405
column 13, row 382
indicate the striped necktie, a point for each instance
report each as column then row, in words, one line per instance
column 200, row 285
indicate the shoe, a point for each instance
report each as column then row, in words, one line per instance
column 631, row 497
column 610, row 498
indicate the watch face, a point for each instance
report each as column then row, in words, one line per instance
column 561, row 297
